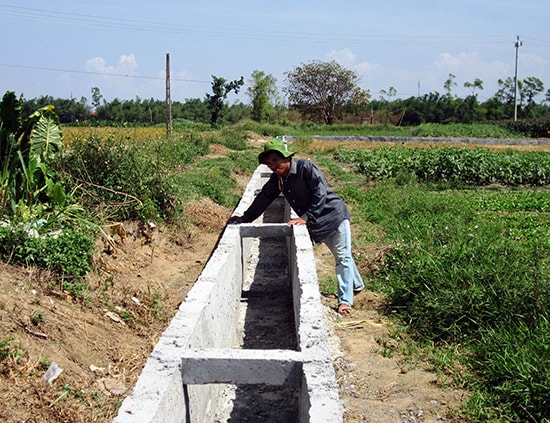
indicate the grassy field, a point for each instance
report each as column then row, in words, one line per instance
column 465, row 232
column 466, row 270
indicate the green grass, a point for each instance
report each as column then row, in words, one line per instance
column 467, row 274
column 461, row 273
column 424, row 130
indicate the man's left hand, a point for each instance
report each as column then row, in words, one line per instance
column 297, row 221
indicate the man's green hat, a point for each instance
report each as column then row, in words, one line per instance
column 277, row 145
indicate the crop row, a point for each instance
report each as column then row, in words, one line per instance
column 462, row 166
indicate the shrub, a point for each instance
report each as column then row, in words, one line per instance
column 122, row 180
column 68, row 252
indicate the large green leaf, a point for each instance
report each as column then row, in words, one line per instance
column 46, row 138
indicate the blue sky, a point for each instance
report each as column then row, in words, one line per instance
column 64, row 48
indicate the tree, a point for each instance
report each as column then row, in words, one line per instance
column 324, row 91
column 531, row 88
column 505, row 93
column 449, row 84
column 392, row 92
column 220, row 89
column 96, row 97
column 528, row 89
column 262, row 89
column 478, row 83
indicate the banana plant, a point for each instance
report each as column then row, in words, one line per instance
column 26, row 147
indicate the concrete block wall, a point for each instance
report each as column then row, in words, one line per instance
column 181, row 379
column 204, row 320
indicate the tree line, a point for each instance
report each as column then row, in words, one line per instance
column 320, row 92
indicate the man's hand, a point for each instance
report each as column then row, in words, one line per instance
column 234, row 220
column 297, row 221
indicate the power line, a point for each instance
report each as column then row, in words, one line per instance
column 148, row 26
column 101, row 73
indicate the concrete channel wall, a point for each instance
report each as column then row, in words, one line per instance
column 184, row 375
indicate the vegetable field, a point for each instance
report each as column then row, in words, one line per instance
column 468, row 267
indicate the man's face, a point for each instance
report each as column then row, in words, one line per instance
column 277, row 163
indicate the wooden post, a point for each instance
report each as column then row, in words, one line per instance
column 168, row 100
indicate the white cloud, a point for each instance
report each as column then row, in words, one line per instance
column 448, row 61
column 117, row 80
column 469, row 66
column 345, row 56
column 127, row 64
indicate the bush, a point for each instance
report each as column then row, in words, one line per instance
column 67, row 253
column 536, row 128
column 122, row 180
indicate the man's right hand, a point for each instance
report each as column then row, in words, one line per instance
column 234, row 220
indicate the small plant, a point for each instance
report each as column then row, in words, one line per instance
column 68, row 253
column 126, row 316
column 8, row 349
column 37, row 318
column 44, row 364
column 66, row 391
column 156, row 305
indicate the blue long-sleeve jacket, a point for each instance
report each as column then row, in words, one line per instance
column 309, row 196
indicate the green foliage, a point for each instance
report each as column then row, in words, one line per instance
column 457, row 166
column 267, row 129
column 210, row 178
column 263, row 94
column 513, row 200
column 26, row 147
column 533, row 128
column 182, row 125
column 244, row 162
column 37, row 318
column 122, row 179
column 462, row 273
column 514, row 358
column 66, row 252
column 233, row 137
column 460, row 130
column 324, row 91
column 68, row 110
column 8, row 349
column 180, row 149
column 38, row 226
column 215, row 101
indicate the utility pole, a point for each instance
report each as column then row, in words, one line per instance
column 517, row 45
column 168, row 100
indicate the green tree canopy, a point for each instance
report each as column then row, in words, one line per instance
column 324, row 91
column 263, row 94
column 220, row 89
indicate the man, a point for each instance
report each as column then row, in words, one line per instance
column 324, row 213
